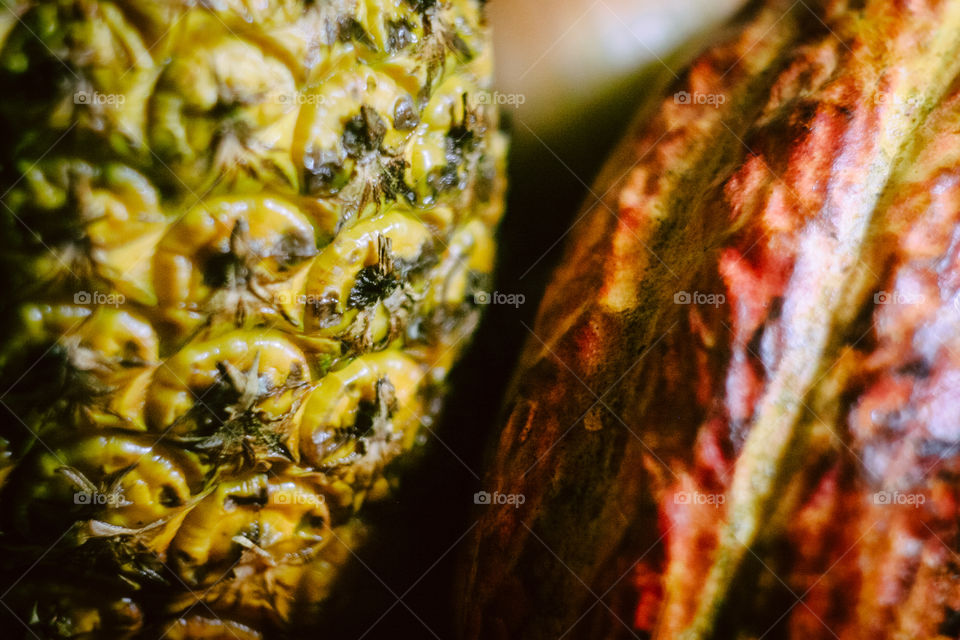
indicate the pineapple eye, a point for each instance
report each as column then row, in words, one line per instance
column 365, row 414
column 113, row 479
column 232, row 256
column 293, row 249
column 258, row 499
column 349, row 28
column 218, row 269
column 226, row 393
column 372, row 284
column 364, row 132
column 399, row 35
column 169, row 497
column 364, row 267
column 405, row 116
column 324, row 173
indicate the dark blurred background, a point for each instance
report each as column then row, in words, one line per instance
column 580, row 68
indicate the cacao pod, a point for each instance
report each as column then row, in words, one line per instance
column 738, row 411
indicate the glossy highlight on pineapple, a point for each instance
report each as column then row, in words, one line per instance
column 240, row 241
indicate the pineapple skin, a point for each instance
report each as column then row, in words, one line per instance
column 240, row 244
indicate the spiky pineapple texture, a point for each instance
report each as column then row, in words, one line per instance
column 240, row 242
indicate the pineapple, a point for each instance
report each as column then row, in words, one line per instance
column 240, row 242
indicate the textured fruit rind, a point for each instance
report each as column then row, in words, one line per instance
column 734, row 408
column 240, row 243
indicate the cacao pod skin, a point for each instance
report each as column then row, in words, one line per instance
column 781, row 459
